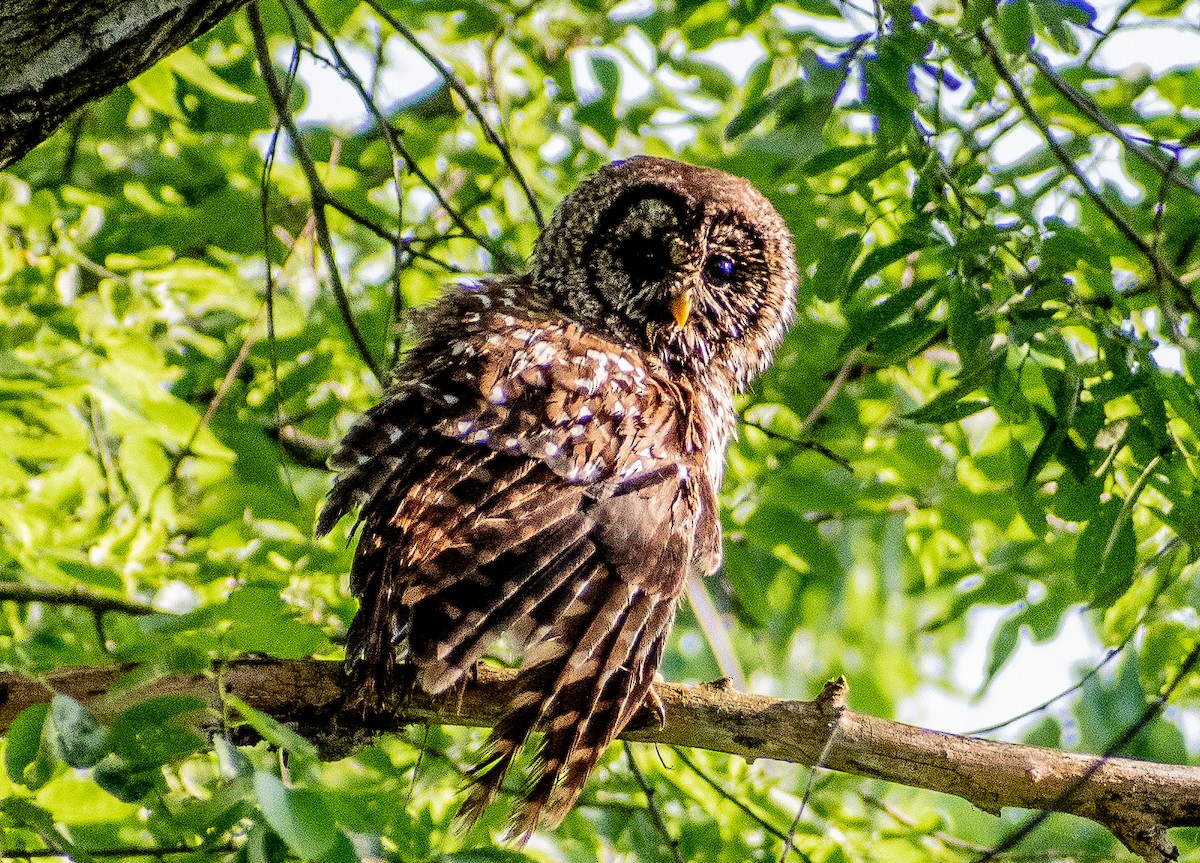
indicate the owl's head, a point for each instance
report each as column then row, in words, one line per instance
column 691, row 264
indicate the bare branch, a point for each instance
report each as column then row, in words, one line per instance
column 395, row 142
column 318, row 194
column 1136, row 800
column 1081, row 102
column 1161, row 270
column 453, row 82
column 652, row 804
column 12, row 591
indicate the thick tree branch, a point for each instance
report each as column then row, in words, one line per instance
column 1136, row 800
column 57, row 57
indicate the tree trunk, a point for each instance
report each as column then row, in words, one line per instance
column 57, row 57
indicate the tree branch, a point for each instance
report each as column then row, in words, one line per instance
column 1161, row 269
column 1136, row 800
column 14, row 591
column 57, row 57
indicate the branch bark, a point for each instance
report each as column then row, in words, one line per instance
column 1136, row 800
column 57, row 57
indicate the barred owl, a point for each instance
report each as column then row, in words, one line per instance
column 546, row 463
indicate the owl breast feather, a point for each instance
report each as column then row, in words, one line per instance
column 594, row 412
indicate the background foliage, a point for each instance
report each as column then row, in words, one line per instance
column 988, row 401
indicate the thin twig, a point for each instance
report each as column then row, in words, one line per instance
column 833, row 698
column 393, row 137
column 218, row 397
column 473, row 107
column 652, row 805
column 956, row 844
column 715, row 632
column 1088, row 108
column 840, row 461
column 761, row 820
column 835, row 387
column 12, row 591
column 128, row 851
column 1161, row 270
column 1075, row 687
column 264, row 182
column 108, row 464
column 309, row 169
column 1152, row 838
column 1127, row 7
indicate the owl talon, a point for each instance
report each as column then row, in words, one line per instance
column 653, row 702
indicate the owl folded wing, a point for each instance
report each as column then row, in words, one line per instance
column 592, row 411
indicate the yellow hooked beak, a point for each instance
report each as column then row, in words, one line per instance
column 681, row 307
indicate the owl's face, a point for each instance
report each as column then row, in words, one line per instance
column 691, row 264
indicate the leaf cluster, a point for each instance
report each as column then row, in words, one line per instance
column 987, row 409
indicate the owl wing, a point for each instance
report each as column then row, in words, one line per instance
column 527, row 478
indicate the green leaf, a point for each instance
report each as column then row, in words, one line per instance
column 24, row 741
column 865, row 325
column 752, row 113
column 1105, row 554
column 1183, row 399
column 1160, row 8
column 1016, row 26
column 26, row 813
column 299, row 816
column 232, row 760
column 833, row 268
column 899, row 342
column 272, row 731
column 158, row 731
column 156, row 88
column 607, row 74
column 191, row 68
column 880, row 257
column 1004, row 643
column 124, row 780
column 1055, row 15
column 264, row 846
column 81, row 739
column 263, row 622
column 1066, row 399
column 832, row 158
column 944, row 407
column 1047, row 732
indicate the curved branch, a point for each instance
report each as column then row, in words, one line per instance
column 318, row 194
column 1161, row 269
column 1136, row 800
column 455, row 84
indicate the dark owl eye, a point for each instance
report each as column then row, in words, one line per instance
column 645, row 259
column 719, row 269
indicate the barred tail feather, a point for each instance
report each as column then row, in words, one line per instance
column 580, row 686
column 622, row 697
column 536, row 686
column 577, row 737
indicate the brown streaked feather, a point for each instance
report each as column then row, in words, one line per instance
column 587, row 674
